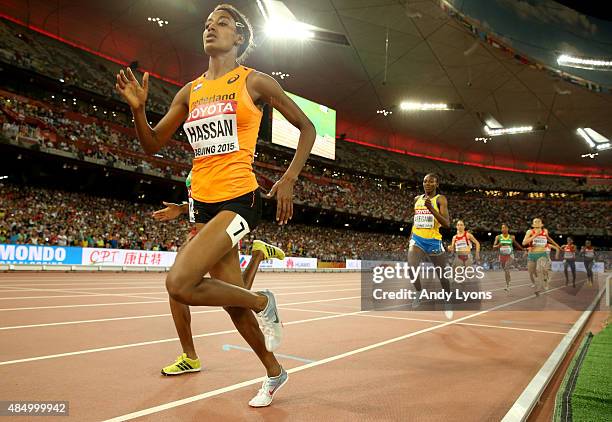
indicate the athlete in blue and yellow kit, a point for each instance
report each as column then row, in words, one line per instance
column 430, row 213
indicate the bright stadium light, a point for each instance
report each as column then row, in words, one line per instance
column 584, row 136
column 508, row 130
column 583, row 63
column 282, row 23
column 414, row 106
column 595, row 139
column 288, row 29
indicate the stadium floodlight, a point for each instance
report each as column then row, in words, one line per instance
column 282, row 23
column 584, row 63
column 287, row 29
column 595, row 139
column 590, row 155
column 418, row 106
column 584, row 136
column 508, row 130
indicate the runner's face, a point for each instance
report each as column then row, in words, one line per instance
column 587, row 243
column 460, row 226
column 569, row 241
column 504, row 229
column 537, row 223
column 430, row 184
column 220, row 35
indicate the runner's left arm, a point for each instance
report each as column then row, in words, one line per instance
column 264, row 88
column 477, row 243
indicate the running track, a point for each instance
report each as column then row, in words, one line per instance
column 98, row 340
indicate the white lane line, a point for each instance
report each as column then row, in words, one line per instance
column 147, row 343
column 85, row 294
column 83, row 306
column 87, row 321
column 233, row 387
column 435, row 321
column 109, row 304
column 143, row 285
column 61, row 296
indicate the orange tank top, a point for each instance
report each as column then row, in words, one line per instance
column 222, row 129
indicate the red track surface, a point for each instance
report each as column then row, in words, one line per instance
column 98, row 340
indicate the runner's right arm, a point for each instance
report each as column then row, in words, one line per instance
column 516, row 244
column 152, row 139
column 496, row 244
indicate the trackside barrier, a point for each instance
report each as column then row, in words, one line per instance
column 108, row 268
column 521, row 409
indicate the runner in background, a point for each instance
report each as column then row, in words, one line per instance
column 506, row 243
column 588, row 252
column 569, row 260
column 537, row 241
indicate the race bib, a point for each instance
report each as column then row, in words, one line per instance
column 569, row 255
column 191, row 211
column 505, row 250
column 540, row 241
column 424, row 221
column 212, row 129
column 589, row 254
column 461, row 245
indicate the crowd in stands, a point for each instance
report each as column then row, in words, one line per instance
column 74, row 219
column 33, row 51
column 61, row 218
column 73, row 67
column 86, row 136
column 347, row 192
column 362, row 180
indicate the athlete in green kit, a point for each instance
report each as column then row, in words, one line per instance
column 506, row 243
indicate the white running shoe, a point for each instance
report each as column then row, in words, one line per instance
column 268, row 389
column 448, row 310
column 270, row 323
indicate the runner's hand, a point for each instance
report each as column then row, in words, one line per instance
column 428, row 204
column 283, row 189
column 131, row 91
column 171, row 212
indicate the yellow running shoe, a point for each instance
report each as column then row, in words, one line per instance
column 268, row 250
column 182, row 365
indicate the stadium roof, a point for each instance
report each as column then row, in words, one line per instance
column 432, row 57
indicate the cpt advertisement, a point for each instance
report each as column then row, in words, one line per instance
column 123, row 257
column 39, row 255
